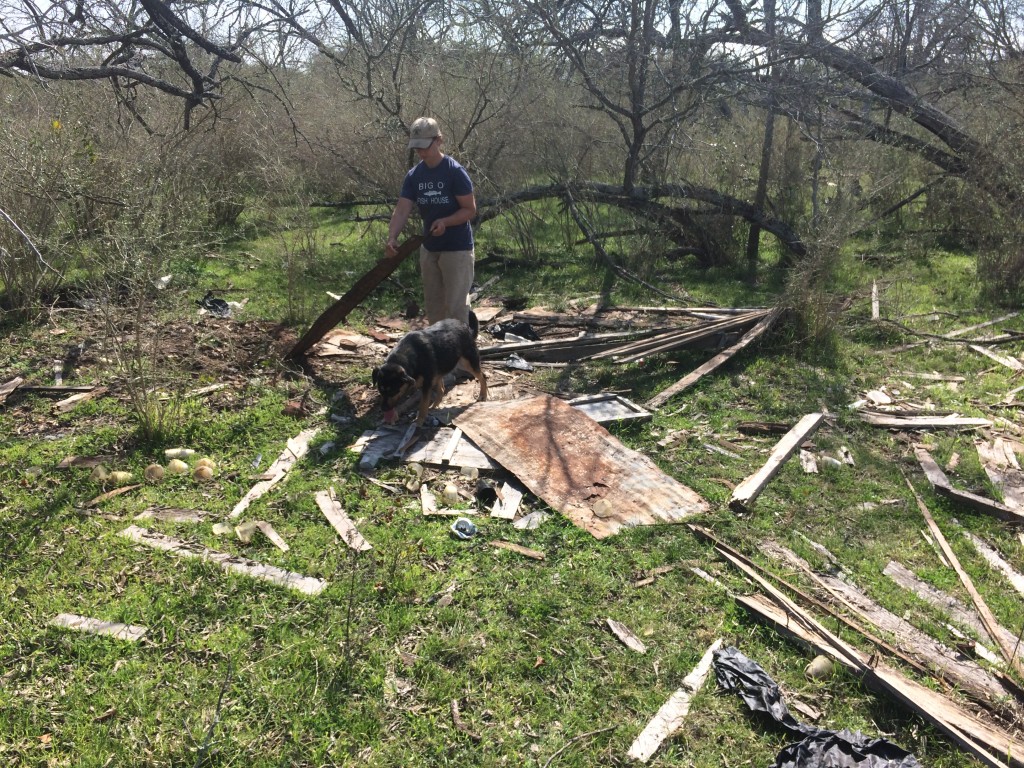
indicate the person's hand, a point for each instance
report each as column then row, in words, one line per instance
column 391, row 248
column 438, row 228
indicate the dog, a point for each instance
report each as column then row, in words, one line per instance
column 420, row 360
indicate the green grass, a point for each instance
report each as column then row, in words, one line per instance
column 365, row 673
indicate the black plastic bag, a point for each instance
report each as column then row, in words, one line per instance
column 820, row 748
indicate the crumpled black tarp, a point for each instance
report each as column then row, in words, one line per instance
column 523, row 330
column 819, row 748
column 213, row 305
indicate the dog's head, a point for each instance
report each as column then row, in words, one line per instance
column 393, row 383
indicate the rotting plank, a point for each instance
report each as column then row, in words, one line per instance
column 1000, row 464
column 533, row 554
column 895, row 421
column 173, row 515
column 953, row 608
column 674, row 340
column 111, row 494
column 965, row 673
column 670, row 717
column 308, row 585
column 744, row 495
column 715, row 362
column 341, row 522
column 338, row 311
column 509, row 498
column 70, row 402
column 6, row 390
column 571, row 462
column 626, row 636
column 994, row 559
column 1010, row 362
column 1006, row 649
column 978, row 503
column 295, row 449
column 117, row 630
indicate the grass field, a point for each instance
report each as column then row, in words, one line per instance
column 234, row 671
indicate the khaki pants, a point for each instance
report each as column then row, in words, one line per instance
column 447, row 279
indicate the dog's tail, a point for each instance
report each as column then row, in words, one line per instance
column 474, row 324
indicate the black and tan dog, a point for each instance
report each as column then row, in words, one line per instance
column 420, row 360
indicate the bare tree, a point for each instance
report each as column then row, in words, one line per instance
column 174, row 47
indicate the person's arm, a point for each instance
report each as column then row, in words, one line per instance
column 467, row 210
column 401, row 215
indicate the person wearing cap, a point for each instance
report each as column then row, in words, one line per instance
column 443, row 192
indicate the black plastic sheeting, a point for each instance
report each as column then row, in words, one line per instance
column 819, row 748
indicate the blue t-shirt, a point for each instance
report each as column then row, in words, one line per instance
column 434, row 191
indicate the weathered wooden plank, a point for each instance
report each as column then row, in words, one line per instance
column 341, row 522
column 895, row 421
column 566, row 458
column 1000, row 464
column 715, row 362
column 1010, row 362
column 987, row 618
column 932, row 470
column 509, row 498
column 744, row 495
column 993, row 558
column 626, row 636
column 70, row 402
column 306, row 584
column 295, row 449
column 173, row 515
column 963, row 672
column 338, row 311
column 533, row 554
column 670, row 717
column 130, row 632
column 957, row 611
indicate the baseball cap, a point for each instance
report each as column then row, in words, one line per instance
column 423, row 132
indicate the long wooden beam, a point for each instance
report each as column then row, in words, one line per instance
column 338, row 311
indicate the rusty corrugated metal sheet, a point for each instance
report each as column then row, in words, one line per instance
column 572, row 462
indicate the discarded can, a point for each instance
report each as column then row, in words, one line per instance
column 463, row 528
column 179, row 453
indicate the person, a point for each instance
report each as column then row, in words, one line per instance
column 443, row 192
